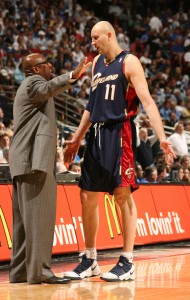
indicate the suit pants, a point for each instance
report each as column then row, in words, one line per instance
column 34, row 213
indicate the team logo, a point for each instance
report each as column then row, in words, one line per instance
column 97, row 76
column 129, row 172
column 97, row 79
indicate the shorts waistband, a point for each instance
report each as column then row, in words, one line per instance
column 109, row 124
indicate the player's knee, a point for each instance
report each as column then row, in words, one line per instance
column 120, row 200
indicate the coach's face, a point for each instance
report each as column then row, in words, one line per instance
column 42, row 67
column 37, row 64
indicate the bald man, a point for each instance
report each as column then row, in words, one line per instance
column 118, row 81
column 32, row 160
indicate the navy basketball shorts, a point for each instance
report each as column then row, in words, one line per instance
column 109, row 160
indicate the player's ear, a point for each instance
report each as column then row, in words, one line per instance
column 109, row 35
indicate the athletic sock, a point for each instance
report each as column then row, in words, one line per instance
column 91, row 253
column 128, row 255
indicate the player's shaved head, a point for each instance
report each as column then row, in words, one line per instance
column 104, row 26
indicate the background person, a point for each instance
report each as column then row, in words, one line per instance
column 75, row 167
column 178, row 140
column 144, row 149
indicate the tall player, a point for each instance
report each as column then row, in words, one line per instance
column 118, row 82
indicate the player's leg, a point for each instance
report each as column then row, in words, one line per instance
column 124, row 269
column 88, row 259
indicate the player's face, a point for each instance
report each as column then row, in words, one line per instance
column 99, row 40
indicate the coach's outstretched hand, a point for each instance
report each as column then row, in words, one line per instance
column 81, row 68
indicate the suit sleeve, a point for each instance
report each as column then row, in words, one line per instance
column 41, row 90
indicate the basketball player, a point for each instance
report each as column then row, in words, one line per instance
column 118, row 82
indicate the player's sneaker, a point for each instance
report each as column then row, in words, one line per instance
column 123, row 270
column 87, row 267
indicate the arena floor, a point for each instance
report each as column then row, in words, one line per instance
column 162, row 272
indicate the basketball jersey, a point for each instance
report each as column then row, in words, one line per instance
column 112, row 98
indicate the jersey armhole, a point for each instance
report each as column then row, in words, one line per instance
column 126, row 56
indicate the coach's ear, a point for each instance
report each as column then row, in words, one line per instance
column 35, row 70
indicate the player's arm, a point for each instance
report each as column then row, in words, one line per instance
column 135, row 74
column 73, row 145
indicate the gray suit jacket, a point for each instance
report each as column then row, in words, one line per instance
column 33, row 146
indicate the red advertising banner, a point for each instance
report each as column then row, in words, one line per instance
column 73, row 197
column 145, row 207
column 5, row 222
column 65, row 239
column 163, row 216
column 187, row 191
column 173, row 214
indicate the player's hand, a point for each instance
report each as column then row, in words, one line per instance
column 71, row 151
column 168, row 151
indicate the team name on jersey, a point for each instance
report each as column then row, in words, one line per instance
column 98, row 79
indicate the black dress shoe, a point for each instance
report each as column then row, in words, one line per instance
column 56, row 280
